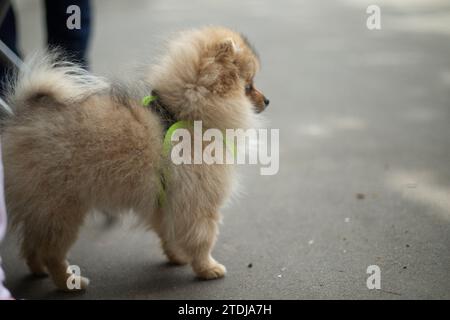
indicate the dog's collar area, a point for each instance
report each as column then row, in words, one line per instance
column 153, row 101
column 170, row 126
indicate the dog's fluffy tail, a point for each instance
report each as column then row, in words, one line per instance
column 47, row 74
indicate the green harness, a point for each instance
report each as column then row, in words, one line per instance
column 167, row 146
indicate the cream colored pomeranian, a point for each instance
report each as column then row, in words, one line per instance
column 77, row 142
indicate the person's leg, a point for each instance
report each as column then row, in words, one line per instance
column 8, row 34
column 4, row 293
column 8, row 31
column 73, row 41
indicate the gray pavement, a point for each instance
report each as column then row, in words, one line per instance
column 364, row 119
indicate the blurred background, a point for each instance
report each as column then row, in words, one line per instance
column 364, row 119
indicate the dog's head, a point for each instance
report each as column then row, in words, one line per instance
column 231, row 65
column 208, row 74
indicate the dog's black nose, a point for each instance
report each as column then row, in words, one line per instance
column 266, row 101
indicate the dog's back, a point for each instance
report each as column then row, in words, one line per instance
column 71, row 146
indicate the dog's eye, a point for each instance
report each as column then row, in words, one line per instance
column 248, row 88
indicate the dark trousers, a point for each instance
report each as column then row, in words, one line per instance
column 73, row 42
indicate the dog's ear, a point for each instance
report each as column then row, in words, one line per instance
column 226, row 49
column 219, row 73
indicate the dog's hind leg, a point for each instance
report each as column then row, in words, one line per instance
column 30, row 249
column 35, row 264
column 55, row 238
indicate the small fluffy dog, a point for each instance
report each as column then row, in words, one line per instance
column 77, row 142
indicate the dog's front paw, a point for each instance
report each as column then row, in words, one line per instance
column 212, row 271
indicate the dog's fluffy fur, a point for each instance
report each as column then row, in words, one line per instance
column 77, row 142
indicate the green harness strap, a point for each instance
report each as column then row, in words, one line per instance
column 148, row 99
column 167, row 146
